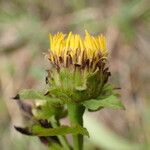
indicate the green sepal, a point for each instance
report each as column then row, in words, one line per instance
column 110, row 102
column 76, row 86
column 65, row 84
column 94, row 84
column 107, row 91
column 61, row 94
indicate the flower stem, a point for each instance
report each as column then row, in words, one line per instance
column 62, row 139
column 75, row 112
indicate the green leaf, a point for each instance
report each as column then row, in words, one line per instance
column 36, row 95
column 62, row 130
column 109, row 102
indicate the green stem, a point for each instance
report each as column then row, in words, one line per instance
column 75, row 112
column 61, row 138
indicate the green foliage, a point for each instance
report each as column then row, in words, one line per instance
column 109, row 102
column 62, row 130
column 37, row 95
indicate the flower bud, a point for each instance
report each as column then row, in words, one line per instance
column 78, row 69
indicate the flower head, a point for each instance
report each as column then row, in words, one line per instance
column 73, row 50
column 79, row 65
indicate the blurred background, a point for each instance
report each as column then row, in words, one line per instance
column 24, row 29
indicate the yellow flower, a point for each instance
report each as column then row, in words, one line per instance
column 72, row 49
column 78, row 67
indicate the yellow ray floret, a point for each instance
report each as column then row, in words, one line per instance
column 74, row 45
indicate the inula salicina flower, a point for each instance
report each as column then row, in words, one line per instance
column 78, row 65
column 71, row 50
column 77, row 80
